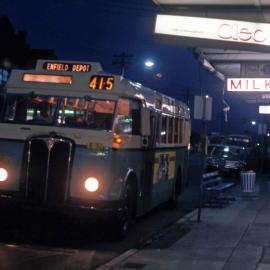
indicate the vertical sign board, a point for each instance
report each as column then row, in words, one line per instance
column 202, row 111
column 262, row 129
column 203, row 108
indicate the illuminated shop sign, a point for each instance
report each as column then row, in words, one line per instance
column 264, row 109
column 236, row 32
column 217, row 29
column 265, row 96
column 98, row 82
column 74, row 67
column 248, row 85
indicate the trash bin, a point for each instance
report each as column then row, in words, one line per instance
column 248, row 179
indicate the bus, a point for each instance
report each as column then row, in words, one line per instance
column 78, row 140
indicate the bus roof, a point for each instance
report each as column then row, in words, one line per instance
column 73, row 78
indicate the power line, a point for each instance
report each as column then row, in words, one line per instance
column 122, row 61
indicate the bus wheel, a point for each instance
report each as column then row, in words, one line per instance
column 127, row 217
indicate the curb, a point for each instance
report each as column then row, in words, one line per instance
column 131, row 252
column 188, row 216
column 118, row 259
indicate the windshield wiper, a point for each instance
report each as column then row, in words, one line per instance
column 88, row 98
column 29, row 95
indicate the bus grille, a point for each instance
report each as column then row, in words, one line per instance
column 48, row 170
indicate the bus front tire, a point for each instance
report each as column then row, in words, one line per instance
column 127, row 216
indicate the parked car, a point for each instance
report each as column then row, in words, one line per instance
column 239, row 140
column 214, row 140
column 228, row 159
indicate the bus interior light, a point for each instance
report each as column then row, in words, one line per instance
column 46, row 78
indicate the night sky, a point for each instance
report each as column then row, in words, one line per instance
column 95, row 30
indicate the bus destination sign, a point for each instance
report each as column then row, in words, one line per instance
column 74, row 67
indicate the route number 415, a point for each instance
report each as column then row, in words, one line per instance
column 101, row 82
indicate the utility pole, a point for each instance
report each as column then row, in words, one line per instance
column 122, row 61
column 187, row 96
column 203, row 154
column 202, row 111
column 189, row 93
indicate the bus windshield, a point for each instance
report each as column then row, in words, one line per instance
column 71, row 112
column 83, row 113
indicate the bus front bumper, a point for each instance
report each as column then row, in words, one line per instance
column 101, row 210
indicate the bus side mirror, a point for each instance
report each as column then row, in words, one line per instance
column 145, row 122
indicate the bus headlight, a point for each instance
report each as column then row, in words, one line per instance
column 91, row 184
column 3, row 174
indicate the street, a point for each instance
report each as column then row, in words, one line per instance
column 48, row 242
column 134, row 134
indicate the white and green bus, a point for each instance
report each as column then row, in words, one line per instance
column 76, row 139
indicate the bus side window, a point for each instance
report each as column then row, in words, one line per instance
column 136, row 117
column 158, row 127
column 127, row 120
column 181, row 131
column 163, row 132
column 154, row 128
column 170, row 130
column 186, row 132
column 176, row 130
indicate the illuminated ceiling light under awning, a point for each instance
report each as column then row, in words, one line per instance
column 213, row 2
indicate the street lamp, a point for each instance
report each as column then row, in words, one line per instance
column 149, row 63
column 253, row 123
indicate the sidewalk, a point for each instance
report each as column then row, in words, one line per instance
column 231, row 238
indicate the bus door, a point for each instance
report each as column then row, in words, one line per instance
column 149, row 161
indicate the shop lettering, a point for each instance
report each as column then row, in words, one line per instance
column 265, row 96
column 242, row 34
column 258, row 85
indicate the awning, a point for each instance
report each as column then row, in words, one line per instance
column 233, row 59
